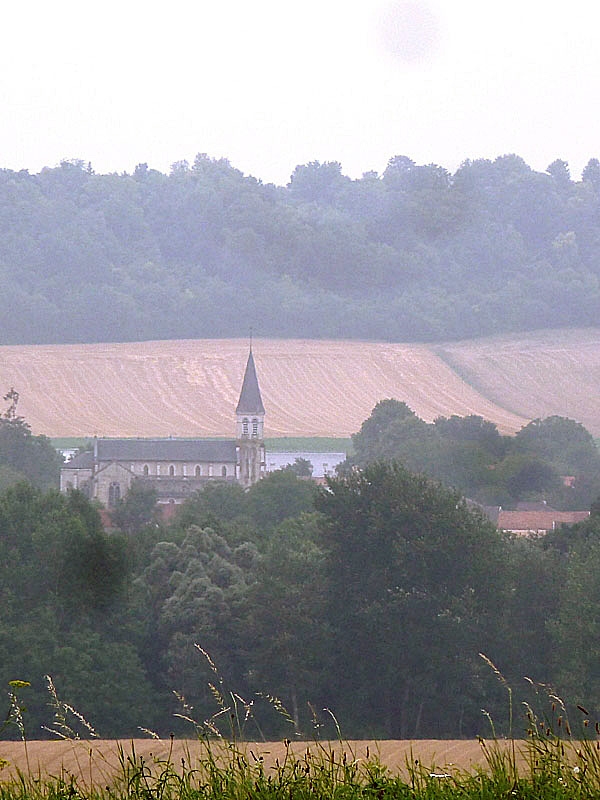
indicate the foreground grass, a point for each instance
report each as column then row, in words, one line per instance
column 543, row 767
column 550, row 764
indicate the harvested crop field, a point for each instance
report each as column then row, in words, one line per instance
column 96, row 761
column 535, row 375
column 190, row 388
column 309, row 387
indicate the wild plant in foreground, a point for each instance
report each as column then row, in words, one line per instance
column 234, row 715
column 63, row 712
column 14, row 715
column 504, row 766
column 555, row 753
column 220, row 772
column 550, row 764
column 556, row 761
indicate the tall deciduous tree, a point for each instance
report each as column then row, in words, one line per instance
column 576, row 628
column 414, row 585
column 286, row 615
column 61, row 581
column 24, row 455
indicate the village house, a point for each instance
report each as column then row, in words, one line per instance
column 175, row 468
column 537, row 521
column 530, row 518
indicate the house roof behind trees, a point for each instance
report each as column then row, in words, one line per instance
column 529, row 517
column 538, row 521
column 83, row 460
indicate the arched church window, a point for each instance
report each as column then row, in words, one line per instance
column 171, row 470
column 146, row 470
column 114, row 494
column 254, row 428
column 224, row 472
column 245, row 426
column 198, row 471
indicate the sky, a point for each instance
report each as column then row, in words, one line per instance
column 269, row 84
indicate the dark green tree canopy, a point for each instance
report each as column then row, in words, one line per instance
column 413, row 578
column 562, row 441
column 279, row 496
column 301, row 467
column 136, row 510
column 469, row 454
column 414, row 254
column 24, row 456
column 374, row 605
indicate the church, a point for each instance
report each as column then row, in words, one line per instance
column 175, row 468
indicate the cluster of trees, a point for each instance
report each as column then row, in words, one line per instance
column 372, row 598
column 60, row 575
column 24, row 456
column 469, row 454
column 416, row 253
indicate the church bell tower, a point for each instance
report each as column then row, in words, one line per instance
column 250, row 421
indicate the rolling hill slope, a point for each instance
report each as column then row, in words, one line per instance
column 310, row 388
column 535, row 375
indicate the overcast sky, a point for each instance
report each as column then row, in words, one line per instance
column 270, row 84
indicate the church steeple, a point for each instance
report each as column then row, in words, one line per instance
column 250, row 401
column 250, row 423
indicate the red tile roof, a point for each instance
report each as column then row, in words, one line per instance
column 537, row 521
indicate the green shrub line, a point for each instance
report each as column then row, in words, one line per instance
column 314, row 444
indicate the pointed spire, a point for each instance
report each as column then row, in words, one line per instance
column 250, row 401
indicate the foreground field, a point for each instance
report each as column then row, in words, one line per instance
column 310, row 388
column 94, row 762
column 543, row 768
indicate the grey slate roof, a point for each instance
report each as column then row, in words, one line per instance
column 83, row 460
column 250, row 401
column 200, row 450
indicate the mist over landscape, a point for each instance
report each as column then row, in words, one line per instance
column 414, row 254
column 299, row 400
column 446, row 321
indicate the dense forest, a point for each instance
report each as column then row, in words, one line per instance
column 372, row 597
column 416, row 253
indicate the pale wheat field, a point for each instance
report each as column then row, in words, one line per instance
column 309, row 388
column 97, row 761
column 535, row 375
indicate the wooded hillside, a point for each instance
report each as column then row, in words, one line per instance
column 416, row 254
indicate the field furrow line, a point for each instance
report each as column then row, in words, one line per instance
column 310, row 388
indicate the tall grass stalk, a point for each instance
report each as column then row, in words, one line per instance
column 15, row 714
column 550, row 764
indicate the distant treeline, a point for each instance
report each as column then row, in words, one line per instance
column 414, row 254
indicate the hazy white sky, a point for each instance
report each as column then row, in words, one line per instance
column 274, row 83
